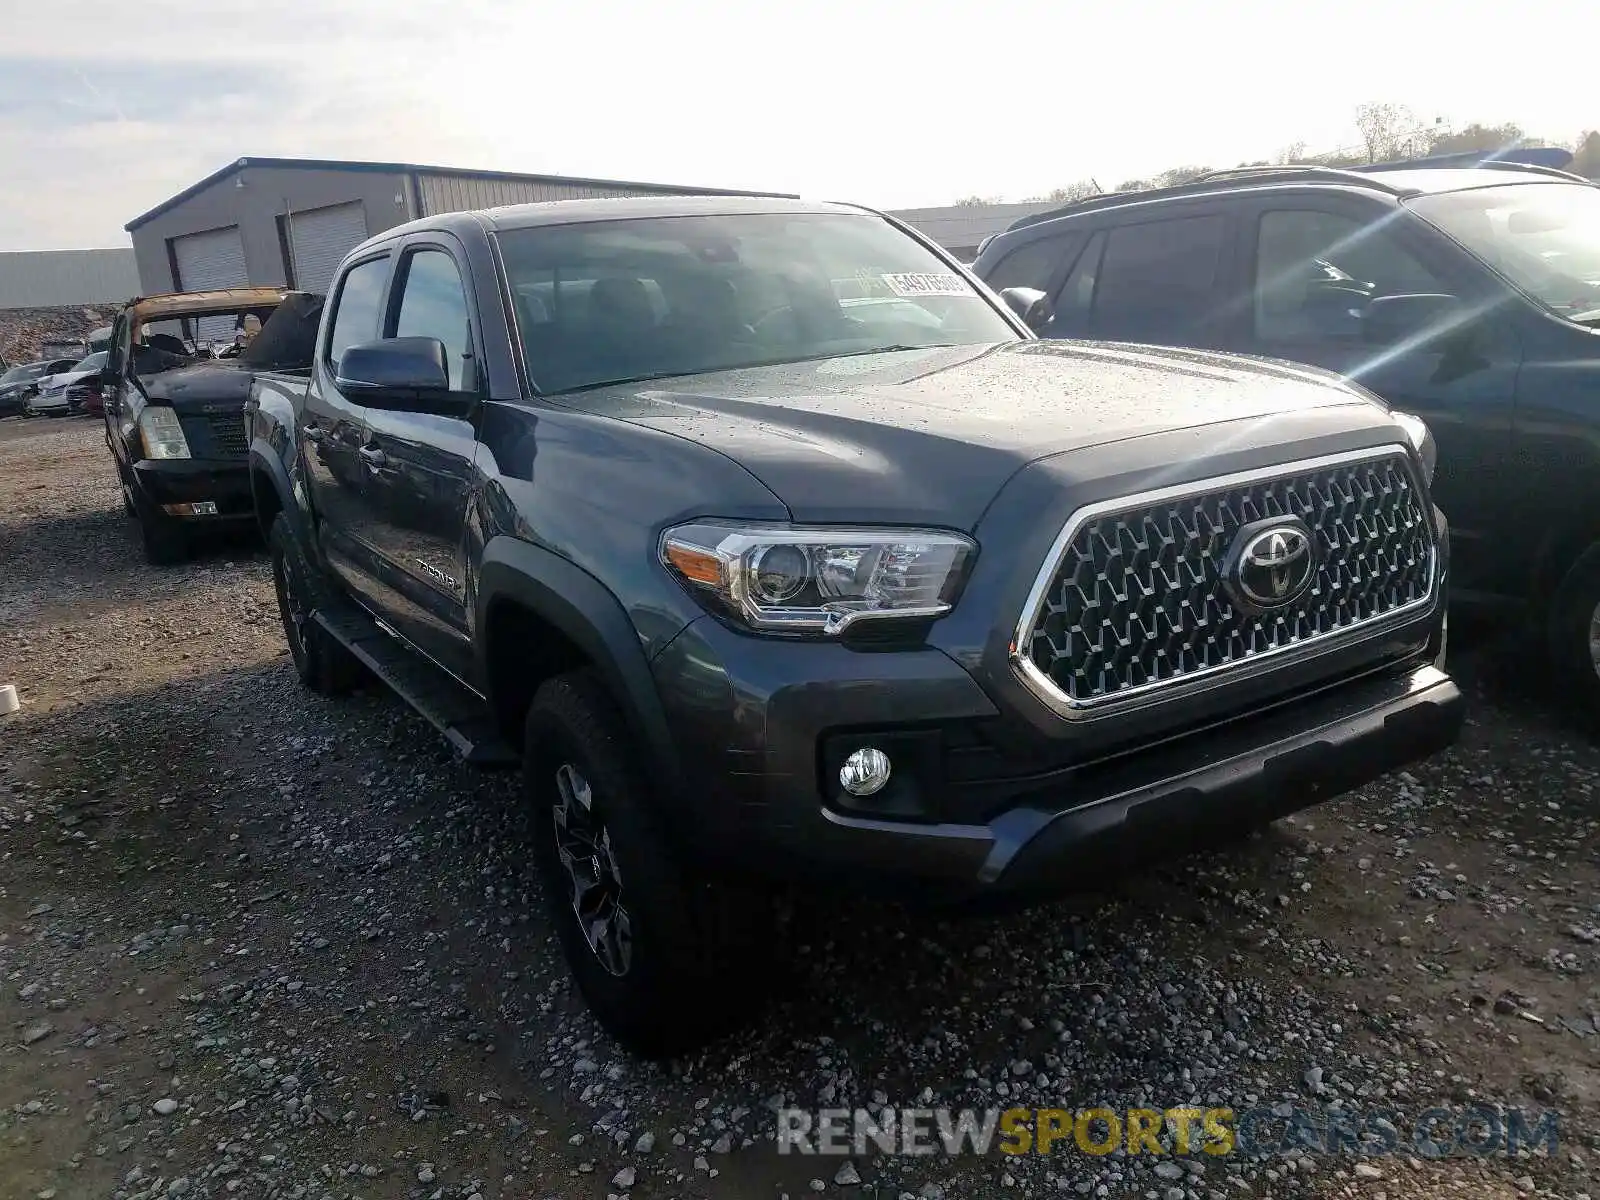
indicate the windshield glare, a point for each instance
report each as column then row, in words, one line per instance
column 24, row 372
column 610, row 301
column 92, row 363
column 1544, row 237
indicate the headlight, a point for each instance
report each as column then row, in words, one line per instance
column 162, row 433
column 786, row 580
column 1421, row 439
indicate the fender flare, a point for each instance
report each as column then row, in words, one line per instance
column 586, row 612
column 264, row 460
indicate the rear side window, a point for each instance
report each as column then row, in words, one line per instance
column 1031, row 265
column 356, row 315
column 1158, row 280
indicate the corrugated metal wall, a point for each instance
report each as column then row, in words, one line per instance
column 53, row 278
column 458, row 193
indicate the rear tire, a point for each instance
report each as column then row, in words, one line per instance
column 666, row 961
column 322, row 663
column 1574, row 635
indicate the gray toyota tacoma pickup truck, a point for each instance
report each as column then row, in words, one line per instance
column 775, row 550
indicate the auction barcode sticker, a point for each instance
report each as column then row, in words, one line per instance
column 936, row 283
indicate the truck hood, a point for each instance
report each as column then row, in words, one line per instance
column 930, row 436
column 214, row 386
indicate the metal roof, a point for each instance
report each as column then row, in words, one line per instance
column 399, row 168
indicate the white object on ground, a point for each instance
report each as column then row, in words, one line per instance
column 8, row 699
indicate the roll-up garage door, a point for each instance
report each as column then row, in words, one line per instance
column 210, row 260
column 321, row 237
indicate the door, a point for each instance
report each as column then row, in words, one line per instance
column 333, row 428
column 211, row 261
column 1157, row 281
column 419, row 464
column 1315, row 264
column 319, row 238
column 113, row 389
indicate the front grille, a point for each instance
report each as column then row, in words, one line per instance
column 227, row 435
column 1136, row 599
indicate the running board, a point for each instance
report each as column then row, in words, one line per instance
column 449, row 707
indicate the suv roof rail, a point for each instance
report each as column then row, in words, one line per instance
column 1208, row 182
column 1298, row 171
column 1474, row 161
column 1079, row 205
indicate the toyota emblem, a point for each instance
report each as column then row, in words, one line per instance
column 1271, row 565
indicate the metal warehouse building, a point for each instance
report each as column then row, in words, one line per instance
column 58, row 278
column 289, row 221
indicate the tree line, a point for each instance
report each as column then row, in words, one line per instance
column 1387, row 132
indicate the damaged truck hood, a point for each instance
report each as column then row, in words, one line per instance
column 933, row 434
column 204, row 387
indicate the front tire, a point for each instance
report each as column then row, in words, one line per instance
column 164, row 542
column 666, row 961
column 322, row 663
column 1574, row 634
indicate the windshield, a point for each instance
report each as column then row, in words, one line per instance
column 93, row 363
column 612, row 301
column 1543, row 237
column 24, row 372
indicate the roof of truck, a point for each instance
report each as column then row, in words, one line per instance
column 613, row 208
column 198, row 304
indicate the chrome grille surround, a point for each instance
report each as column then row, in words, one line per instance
column 1144, row 642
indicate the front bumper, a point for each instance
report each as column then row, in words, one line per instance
column 162, row 482
column 763, row 747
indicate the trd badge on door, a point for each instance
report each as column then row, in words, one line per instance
column 437, row 575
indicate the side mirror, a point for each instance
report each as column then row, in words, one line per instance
column 401, row 373
column 1032, row 305
column 1419, row 318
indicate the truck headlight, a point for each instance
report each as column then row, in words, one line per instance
column 161, row 433
column 1421, row 439
column 781, row 579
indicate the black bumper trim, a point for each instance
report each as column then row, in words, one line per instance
column 1330, row 744
column 186, row 480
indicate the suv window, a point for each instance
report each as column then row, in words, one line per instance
column 434, row 304
column 355, row 317
column 1315, row 271
column 1077, row 294
column 1032, row 265
column 1157, row 281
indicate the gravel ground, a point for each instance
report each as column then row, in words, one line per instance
column 257, row 943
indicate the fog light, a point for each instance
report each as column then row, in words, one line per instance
column 864, row 772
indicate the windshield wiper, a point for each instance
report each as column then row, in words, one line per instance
column 1592, row 317
column 626, row 379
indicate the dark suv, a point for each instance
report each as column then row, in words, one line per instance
column 1467, row 295
column 775, row 549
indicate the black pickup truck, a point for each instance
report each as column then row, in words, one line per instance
column 776, row 550
column 173, row 405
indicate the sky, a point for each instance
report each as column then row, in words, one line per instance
column 106, row 109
